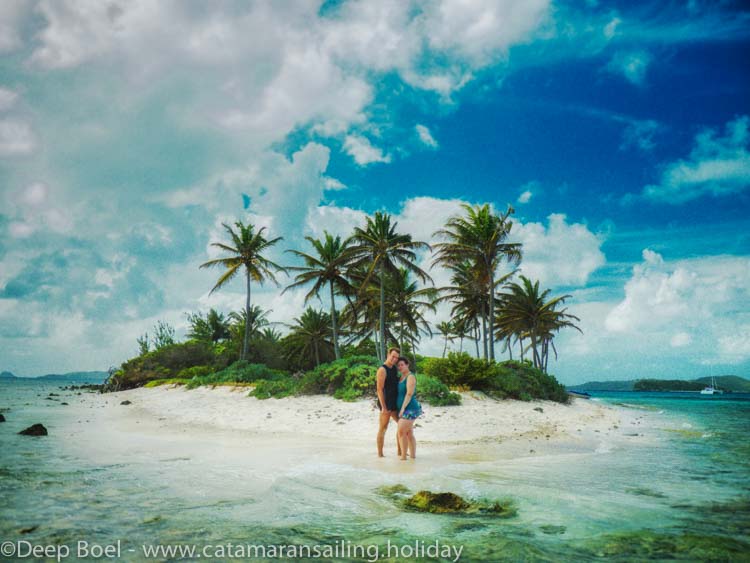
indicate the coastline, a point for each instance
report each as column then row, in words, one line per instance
column 479, row 428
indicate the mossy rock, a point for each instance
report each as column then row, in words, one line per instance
column 451, row 503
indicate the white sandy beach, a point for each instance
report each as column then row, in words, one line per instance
column 341, row 431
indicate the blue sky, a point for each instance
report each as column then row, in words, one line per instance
column 129, row 131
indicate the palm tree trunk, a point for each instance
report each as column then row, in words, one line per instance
column 246, row 338
column 382, row 314
column 484, row 333
column 414, row 354
column 335, row 328
column 492, row 316
column 317, row 354
column 476, row 339
column 445, row 346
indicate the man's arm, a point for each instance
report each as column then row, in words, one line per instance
column 379, row 385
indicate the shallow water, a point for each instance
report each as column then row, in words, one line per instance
column 682, row 493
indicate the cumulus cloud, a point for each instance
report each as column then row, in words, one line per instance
column 559, row 254
column 362, row 151
column 695, row 300
column 425, row 136
column 718, row 165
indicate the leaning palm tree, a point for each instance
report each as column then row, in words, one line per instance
column 248, row 251
column 482, row 237
column 380, row 250
column 327, row 267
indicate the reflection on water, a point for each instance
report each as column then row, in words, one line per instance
column 684, row 496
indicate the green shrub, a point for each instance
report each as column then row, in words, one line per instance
column 278, row 388
column 459, row 369
column 195, row 371
column 434, row 392
column 504, row 380
column 166, row 362
column 353, row 376
column 239, row 372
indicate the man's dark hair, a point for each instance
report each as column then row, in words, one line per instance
column 392, row 348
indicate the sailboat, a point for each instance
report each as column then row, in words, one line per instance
column 711, row 389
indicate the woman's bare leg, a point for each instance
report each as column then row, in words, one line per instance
column 412, row 441
column 403, row 436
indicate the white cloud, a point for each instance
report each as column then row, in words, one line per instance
column 7, row 99
column 699, row 300
column 362, row 151
column 525, row 196
column 680, row 339
column 425, row 136
column 560, row 254
column 12, row 13
column 633, row 65
column 16, row 138
column 717, row 166
column 610, row 30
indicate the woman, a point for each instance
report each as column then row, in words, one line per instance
column 409, row 409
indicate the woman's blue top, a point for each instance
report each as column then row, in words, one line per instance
column 413, row 404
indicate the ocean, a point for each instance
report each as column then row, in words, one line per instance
column 683, row 493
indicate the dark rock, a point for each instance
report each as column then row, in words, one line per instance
column 126, row 403
column 538, row 409
column 27, row 530
column 2, row 418
column 63, row 403
column 34, row 430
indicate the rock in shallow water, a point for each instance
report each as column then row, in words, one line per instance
column 2, row 418
column 126, row 402
column 446, row 503
column 34, row 430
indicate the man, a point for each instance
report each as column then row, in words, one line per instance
column 387, row 388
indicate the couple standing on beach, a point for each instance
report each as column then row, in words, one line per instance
column 397, row 390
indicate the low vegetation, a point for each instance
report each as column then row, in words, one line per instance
column 502, row 380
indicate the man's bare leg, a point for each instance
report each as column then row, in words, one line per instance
column 398, row 443
column 385, row 417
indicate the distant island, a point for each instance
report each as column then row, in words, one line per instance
column 730, row 383
column 76, row 376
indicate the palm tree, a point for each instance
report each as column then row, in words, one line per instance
column 248, row 251
column 407, row 304
column 480, row 237
column 258, row 320
column 327, row 267
column 311, row 333
column 526, row 313
column 211, row 328
column 379, row 248
column 448, row 330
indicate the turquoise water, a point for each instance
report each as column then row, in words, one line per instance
column 682, row 493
